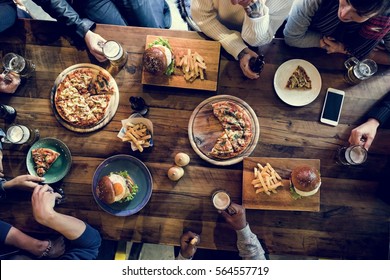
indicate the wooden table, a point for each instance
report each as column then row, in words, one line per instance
column 353, row 222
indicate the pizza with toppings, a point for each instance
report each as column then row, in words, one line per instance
column 83, row 97
column 237, row 127
column 43, row 159
column 299, row 79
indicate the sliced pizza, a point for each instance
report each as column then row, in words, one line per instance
column 76, row 111
column 299, row 79
column 43, row 159
column 223, row 148
column 98, row 105
column 82, row 98
column 237, row 126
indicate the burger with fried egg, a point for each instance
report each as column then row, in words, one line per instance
column 116, row 187
column 158, row 58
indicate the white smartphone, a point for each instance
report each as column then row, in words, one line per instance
column 332, row 106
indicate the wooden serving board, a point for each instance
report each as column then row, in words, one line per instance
column 204, row 129
column 209, row 50
column 283, row 199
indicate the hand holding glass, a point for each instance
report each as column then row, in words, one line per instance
column 352, row 155
column 17, row 64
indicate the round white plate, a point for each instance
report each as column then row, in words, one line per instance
column 297, row 97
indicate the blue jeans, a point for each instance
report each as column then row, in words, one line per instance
column 145, row 13
column 99, row 11
column 7, row 15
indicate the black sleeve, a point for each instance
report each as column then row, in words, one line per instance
column 381, row 111
column 66, row 15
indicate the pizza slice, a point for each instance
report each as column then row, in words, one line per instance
column 299, row 79
column 222, row 148
column 43, row 159
column 101, row 85
column 76, row 111
column 98, row 105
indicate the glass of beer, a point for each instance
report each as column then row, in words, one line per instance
column 352, row 155
column 20, row 134
column 221, row 201
column 114, row 52
column 15, row 63
column 359, row 70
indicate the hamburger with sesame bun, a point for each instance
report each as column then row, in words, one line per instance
column 305, row 180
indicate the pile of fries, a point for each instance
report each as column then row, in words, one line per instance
column 266, row 179
column 138, row 134
column 193, row 66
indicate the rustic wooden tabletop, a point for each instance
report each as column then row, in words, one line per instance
column 352, row 222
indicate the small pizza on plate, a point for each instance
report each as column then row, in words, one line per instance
column 299, row 79
column 237, row 127
column 83, row 97
column 43, row 159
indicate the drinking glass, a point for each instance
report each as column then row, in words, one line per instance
column 359, row 70
column 15, row 63
column 114, row 52
column 221, row 201
column 20, row 134
column 352, row 155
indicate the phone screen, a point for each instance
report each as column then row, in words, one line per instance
column 332, row 106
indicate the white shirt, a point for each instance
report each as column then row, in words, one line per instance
column 233, row 28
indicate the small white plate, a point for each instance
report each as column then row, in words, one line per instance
column 295, row 97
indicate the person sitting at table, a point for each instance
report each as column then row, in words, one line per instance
column 83, row 240
column 11, row 236
column 355, row 27
column 80, row 16
column 248, row 245
column 7, row 14
column 237, row 23
column 9, row 84
column 378, row 116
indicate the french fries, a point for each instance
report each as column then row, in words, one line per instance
column 138, row 134
column 193, row 66
column 266, row 179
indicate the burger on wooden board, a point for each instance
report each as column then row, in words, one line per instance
column 305, row 180
column 158, row 58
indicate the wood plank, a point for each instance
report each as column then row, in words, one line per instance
column 209, row 50
column 282, row 200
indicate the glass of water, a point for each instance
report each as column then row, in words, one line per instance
column 13, row 62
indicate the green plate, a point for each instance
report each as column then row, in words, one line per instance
column 60, row 167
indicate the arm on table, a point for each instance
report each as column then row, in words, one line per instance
column 296, row 32
column 248, row 244
column 84, row 239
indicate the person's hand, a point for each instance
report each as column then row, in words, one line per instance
column 238, row 220
column 92, row 40
column 365, row 131
column 43, row 201
column 188, row 243
column 332, row 46
column 244, row 57
column 10, row 83
column 24, row 182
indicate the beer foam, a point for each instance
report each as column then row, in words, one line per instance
column 221, row 200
